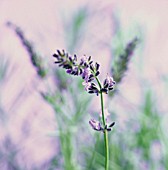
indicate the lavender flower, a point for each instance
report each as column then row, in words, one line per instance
column 89, row 71
column 109, row 81
column 108, row 84
column 120, row 63
column 86, row 74
column 106, row 115
column 85, row 68
column 86, row 61
column 35, row 58
column 95, row 125
column 87, row 85
column 109, row 128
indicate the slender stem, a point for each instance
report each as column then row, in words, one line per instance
column 105, row 131
column 102, row 108
column 105, row 136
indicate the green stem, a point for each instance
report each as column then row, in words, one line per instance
column 105, row 131
column 105, row 136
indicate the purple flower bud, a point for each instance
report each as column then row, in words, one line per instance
column 90, row 62
column 109, row 80
column 69, row 71
column 70, row 59
column 56, row 56
column 95, row 125
column 80, row 71
column 108, row 129
column 112, row 124
column 104, row 90
column 59, row 53
column 97, row 66
column 57, row 62
column 87, row 85
column 84, row 59
column 92, row 67
column 86, row 74
column 108, row 84
column 97, row 73
column 75, row 57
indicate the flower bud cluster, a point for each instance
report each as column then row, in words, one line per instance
column 85, row 68
column 67, row 62
column 108, row 84
column 97, row 126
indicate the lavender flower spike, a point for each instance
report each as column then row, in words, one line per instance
column 95, row 125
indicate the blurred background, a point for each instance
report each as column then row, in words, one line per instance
column 44, row 112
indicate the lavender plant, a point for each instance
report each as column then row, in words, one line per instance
column 120, row 63
column 89, row 71
column 36, row 59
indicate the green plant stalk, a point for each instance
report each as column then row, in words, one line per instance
column 105, row 135
column 105, row 131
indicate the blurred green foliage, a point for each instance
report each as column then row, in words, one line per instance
column 3, row 68
column 74, row 29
